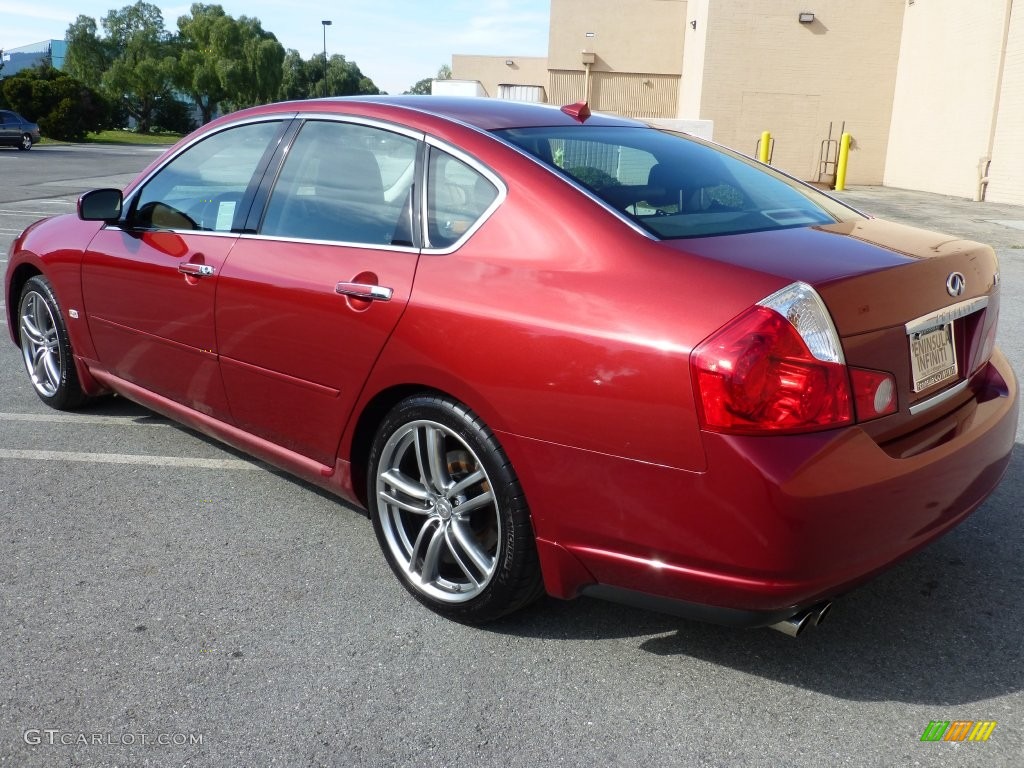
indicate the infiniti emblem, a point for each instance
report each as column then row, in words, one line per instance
column 955, row 284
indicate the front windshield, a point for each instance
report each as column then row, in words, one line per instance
column 675, row 186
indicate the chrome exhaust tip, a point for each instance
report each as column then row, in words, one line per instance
column 794, row 625
column 798, row 622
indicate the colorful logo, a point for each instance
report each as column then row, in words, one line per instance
column 958, row 730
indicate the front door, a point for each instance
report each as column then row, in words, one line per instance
column 149, row 284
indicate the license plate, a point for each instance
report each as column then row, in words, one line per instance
column 932, row 356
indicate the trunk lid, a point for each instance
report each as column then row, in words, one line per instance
column 889, row 289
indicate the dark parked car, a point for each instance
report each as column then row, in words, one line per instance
column 547, row 350
column 16, row 131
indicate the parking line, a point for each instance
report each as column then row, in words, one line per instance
column 124, row 458
column 74, row 418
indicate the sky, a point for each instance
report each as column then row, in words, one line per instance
column 394, row 42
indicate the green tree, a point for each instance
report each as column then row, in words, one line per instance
column 88, row 56
column 257, row 78
column 304, row 79
column 227, row 61
column 344, row 78
column 142, row 71
column 295, row 77
column 135, row 24
column 423, row 87
column 210, row 46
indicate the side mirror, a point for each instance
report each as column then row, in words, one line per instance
column 100, row 205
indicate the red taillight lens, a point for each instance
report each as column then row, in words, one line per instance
column 757, row 375
column 874, row 393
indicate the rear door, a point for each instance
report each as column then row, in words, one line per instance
column 305, row 306
column 149, row 284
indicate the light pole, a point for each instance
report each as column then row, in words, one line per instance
column 326, row 23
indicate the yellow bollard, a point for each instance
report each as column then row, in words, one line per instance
column 766, row 142
column 844, row 158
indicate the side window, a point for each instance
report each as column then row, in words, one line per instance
column 345, row 183
column 457, row 196
column 202, row 187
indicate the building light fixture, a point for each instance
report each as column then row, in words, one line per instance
column 693, row 24
column 509, row 63
column 806, row 18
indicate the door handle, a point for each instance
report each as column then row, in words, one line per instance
column 195, row 270
column 364, row 291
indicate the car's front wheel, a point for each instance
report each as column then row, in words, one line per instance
column 449, row 512
column 26, row 142
column 46, row 347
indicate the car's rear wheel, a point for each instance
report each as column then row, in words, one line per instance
column 26, row 142
column 449, row 512
column 46, row 347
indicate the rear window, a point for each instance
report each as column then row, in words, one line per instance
column 675, row 186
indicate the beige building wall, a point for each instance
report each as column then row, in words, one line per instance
column 691, row 84
column 764, row 70
column 640, row 36
column 494, row 71
column 1006, row 172
column 623, row 57
column 945, row 94
column 618, row 93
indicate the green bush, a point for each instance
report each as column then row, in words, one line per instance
column 173, row 116
column 64, row 108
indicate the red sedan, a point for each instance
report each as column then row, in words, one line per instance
column 548, row 351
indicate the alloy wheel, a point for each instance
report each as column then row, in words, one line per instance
column 40, row 344
column 438, row 512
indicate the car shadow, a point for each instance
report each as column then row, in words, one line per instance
column 943, row 627
column 115, row 405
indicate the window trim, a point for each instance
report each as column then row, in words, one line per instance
column 272, row 175
column 499, row 184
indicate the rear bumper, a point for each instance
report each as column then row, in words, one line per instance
column 775, row 523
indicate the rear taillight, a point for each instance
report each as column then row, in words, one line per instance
column 778, row 367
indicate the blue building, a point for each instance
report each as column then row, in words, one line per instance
column 28, row 56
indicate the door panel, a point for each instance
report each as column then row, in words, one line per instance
column 150, row 323
column 294, row 352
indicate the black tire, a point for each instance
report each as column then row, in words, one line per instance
column 46, row 348
column 472, row 565
column 26, row 142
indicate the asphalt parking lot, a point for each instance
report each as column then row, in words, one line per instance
column 168, row 601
